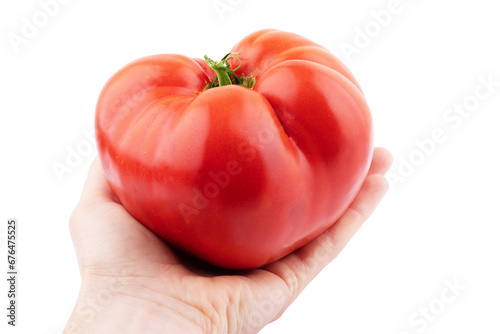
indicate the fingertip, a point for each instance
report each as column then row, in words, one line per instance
column 96, row 185
column 381, row 161
column 385, row 154
column 379, row 184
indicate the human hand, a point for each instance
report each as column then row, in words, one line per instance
column 132, row 282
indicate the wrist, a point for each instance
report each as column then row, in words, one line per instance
column 117, row 305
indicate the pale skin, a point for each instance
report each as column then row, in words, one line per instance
column 132, row 282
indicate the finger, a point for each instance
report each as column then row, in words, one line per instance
column 381, row 161
column 95, row 191
column 373, row 190
column 96, row 185
column 300, row 267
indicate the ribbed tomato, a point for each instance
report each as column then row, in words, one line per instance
column 241, row 161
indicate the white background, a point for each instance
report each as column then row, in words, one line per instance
column 439, row 224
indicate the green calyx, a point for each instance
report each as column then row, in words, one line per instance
column 226, row 76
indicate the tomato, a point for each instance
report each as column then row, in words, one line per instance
column 238, row 162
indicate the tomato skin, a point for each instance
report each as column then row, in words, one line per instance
column 238, row 177
column 265, row 48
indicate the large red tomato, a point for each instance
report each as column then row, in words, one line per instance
column 241, row 161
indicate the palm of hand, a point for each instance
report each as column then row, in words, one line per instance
column 118, row 254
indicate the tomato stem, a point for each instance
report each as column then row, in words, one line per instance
column 226, row 76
